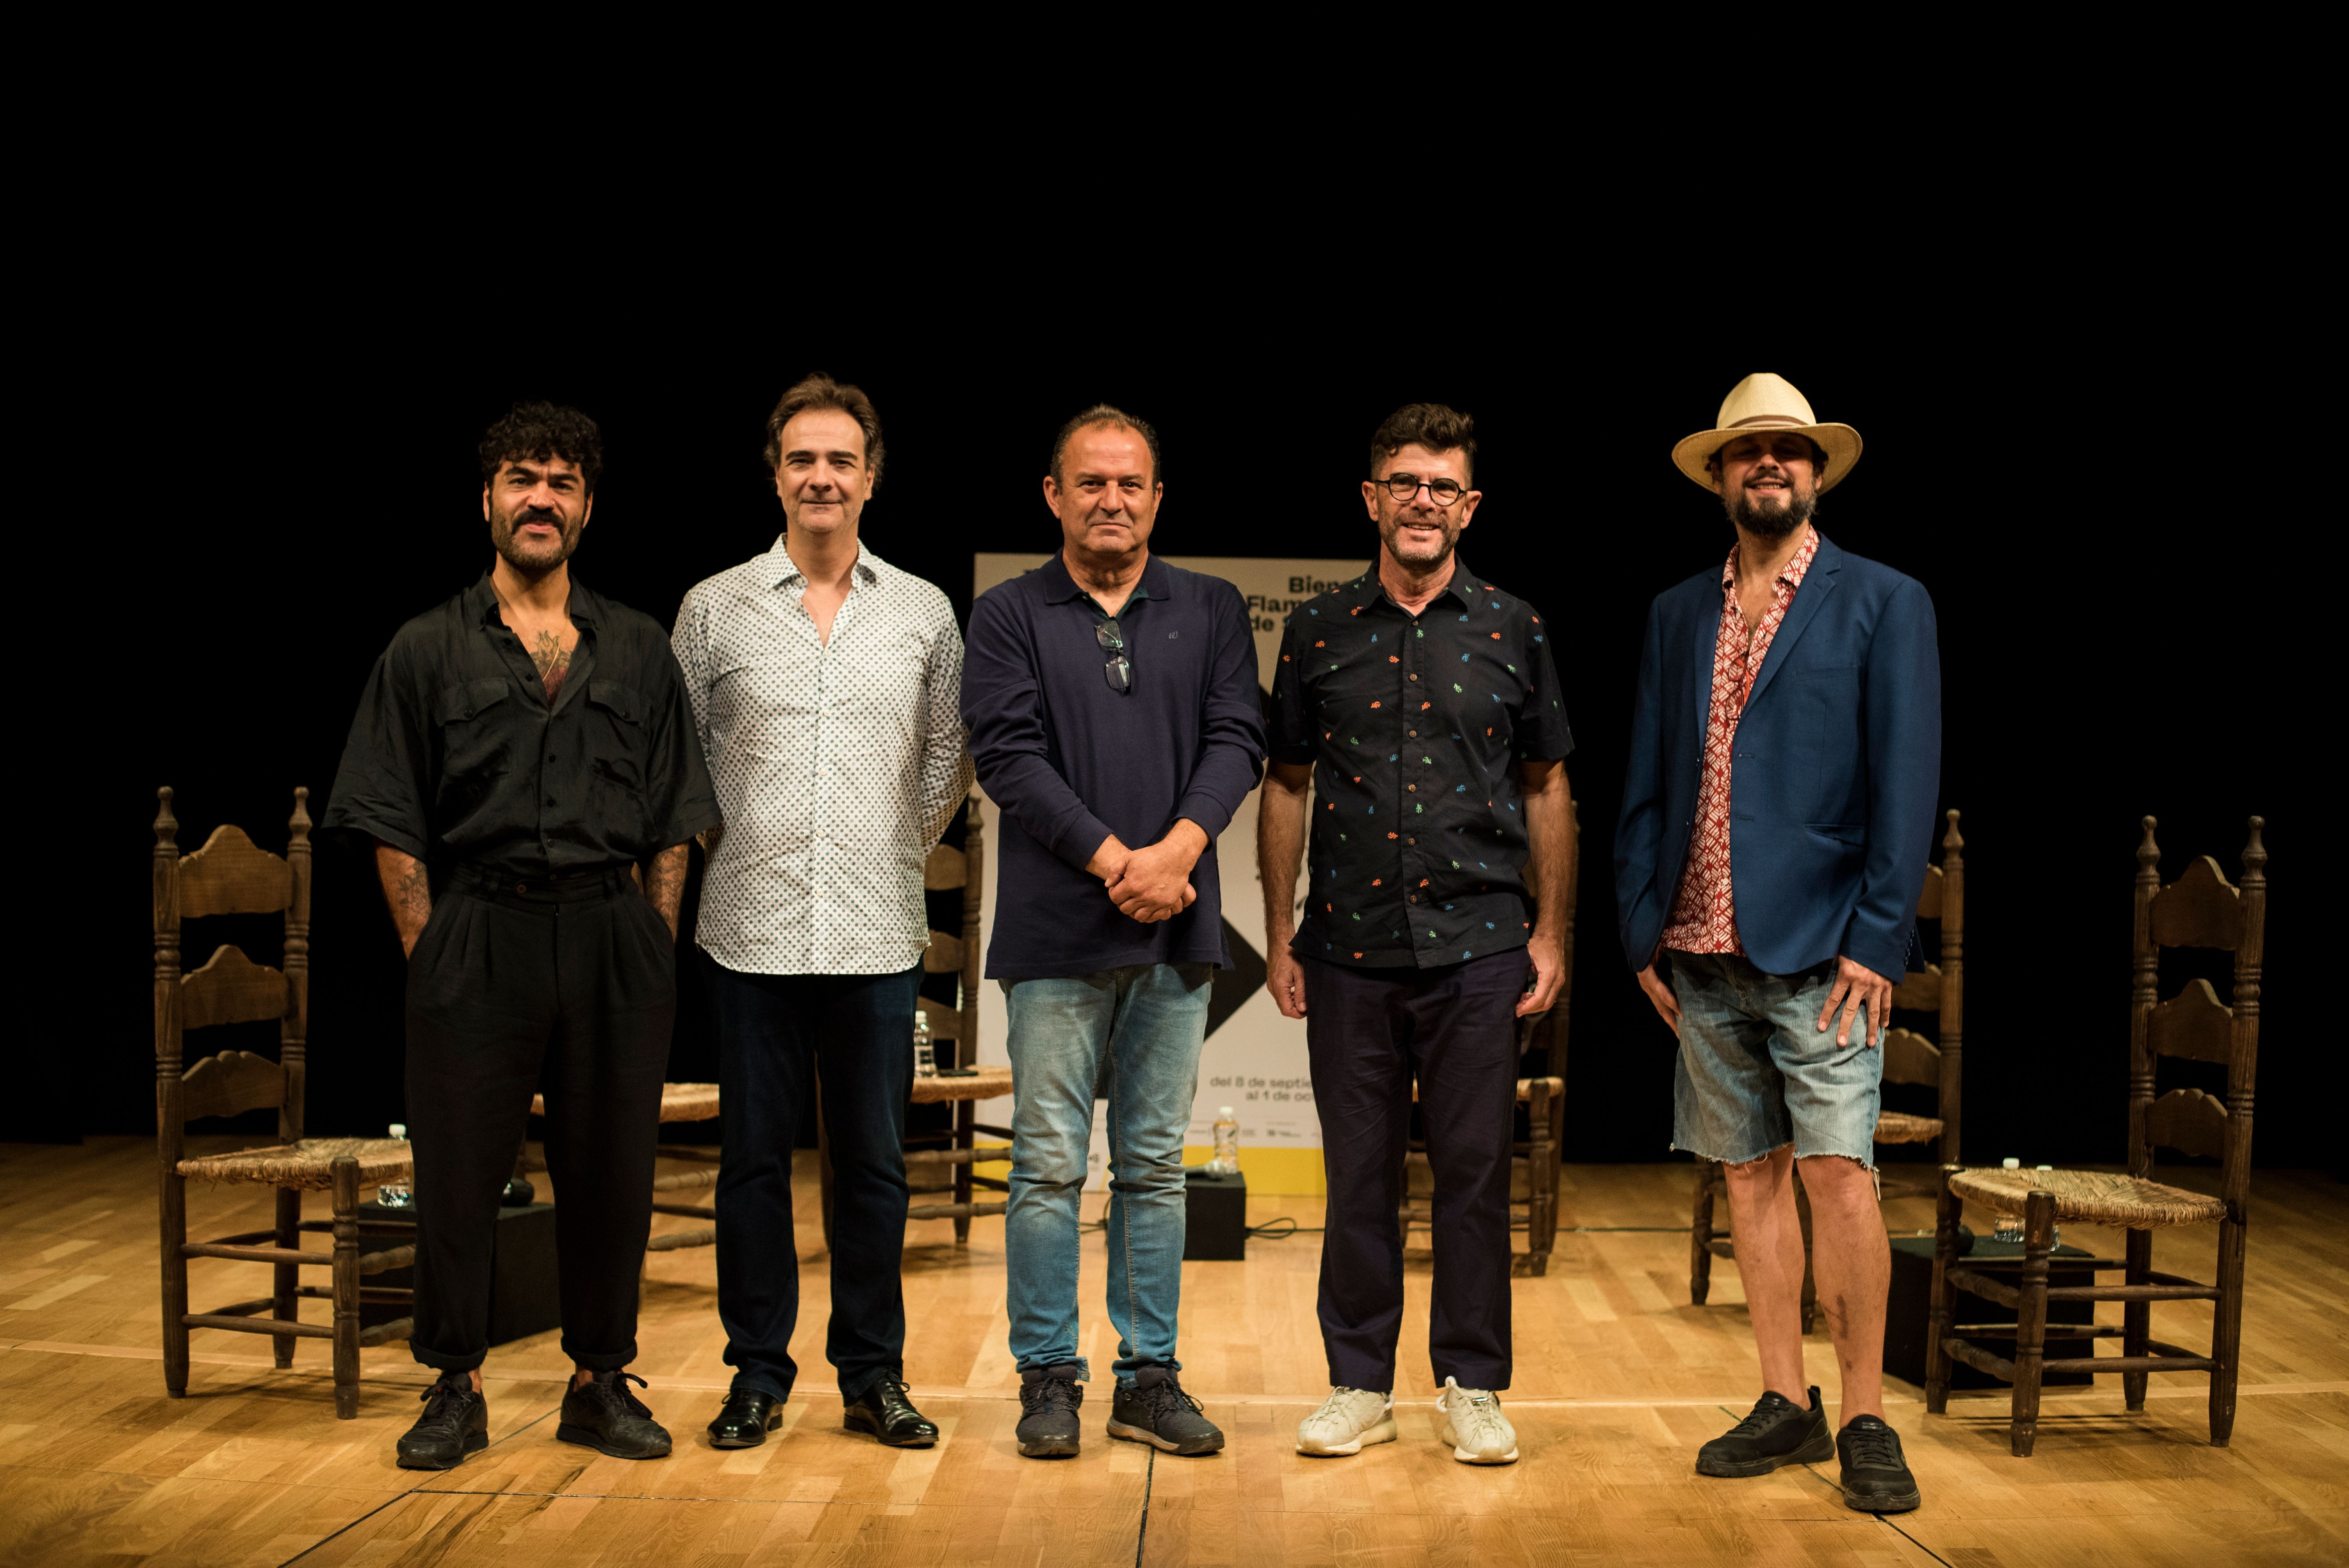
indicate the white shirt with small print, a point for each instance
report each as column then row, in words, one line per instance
column 837, row 765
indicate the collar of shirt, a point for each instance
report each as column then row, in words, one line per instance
column 782, row 569
column 1366, row 593
column 585, row 606
column 1060, row 586
column 1790, row 575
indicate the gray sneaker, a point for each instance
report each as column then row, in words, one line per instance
column 1049, row 1398
column 1154, row 1409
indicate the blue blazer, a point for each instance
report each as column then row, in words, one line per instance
column 1834, row 783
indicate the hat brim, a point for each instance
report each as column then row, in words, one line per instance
column 1840, row 442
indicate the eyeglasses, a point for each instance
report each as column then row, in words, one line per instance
column 1403, row 487
column 1117, row 668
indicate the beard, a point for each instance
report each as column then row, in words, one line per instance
column 1390, row 529
column 1772, row 520
column 533, row 560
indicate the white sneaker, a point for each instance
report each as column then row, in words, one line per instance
column 1347, row 1420
column 1473, row 1424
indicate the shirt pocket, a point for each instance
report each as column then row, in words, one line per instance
column 619, row 744
column 476, row 739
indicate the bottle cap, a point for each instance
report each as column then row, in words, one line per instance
column 2010, row 1163
column 2043, row 1167
column 1225, row 1113
column 399, row 1129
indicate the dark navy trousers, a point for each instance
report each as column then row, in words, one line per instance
column 1369, row 1032
column 777, row 1036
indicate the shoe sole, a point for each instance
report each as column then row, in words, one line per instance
column 584, row 1438
column 774, row 1419
column 474, row 1444
column 1469, row 1457
column 1382, row 1432
column 1048, row 1448
column 1818, row 1450
column 1902, row 1503
column 851, row 1424
column 1145, row 1435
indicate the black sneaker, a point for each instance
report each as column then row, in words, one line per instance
column 1778, row 1432
column 455, row 1423
column 608, row 1419
column 1154, row 1409
column 1049, row 1397
column 1876, row 1479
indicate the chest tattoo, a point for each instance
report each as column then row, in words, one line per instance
column 554, row 661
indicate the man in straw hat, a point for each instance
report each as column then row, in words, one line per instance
column 1777, row 808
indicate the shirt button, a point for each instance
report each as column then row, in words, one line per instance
column 1411, row 841
column 1413, row 733
column 1412, row 788
column 1414, row 898
column 1414, row 677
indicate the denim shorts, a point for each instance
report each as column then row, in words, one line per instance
column 1756, row 1072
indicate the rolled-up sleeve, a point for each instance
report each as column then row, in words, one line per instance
column 1003, row 708
column 1231, row 729
column 680, row 801
column 383, row 785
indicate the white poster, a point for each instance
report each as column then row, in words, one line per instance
column 1254, row 1059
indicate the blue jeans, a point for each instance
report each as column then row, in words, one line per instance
column 1137, row 1032
column 1756, row 1072
column 777, row 1033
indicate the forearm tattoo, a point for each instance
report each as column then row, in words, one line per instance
column 665, row 884
column 554, row 661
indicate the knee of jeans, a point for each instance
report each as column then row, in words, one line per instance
column 1050, row 1162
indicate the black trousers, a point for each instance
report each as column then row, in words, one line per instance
column 777, row 1034
column 1369, row 1032
column 565, row 988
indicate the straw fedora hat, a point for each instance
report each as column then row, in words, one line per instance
column 1766, row 402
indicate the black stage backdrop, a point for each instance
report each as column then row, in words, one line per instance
column 2103, row 587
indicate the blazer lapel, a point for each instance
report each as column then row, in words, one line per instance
column 1707, row 638
column 1818, row 583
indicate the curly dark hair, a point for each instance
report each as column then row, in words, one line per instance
column 1429, row 425
column 1108, row 414
column 536, row 432
column 817, row 390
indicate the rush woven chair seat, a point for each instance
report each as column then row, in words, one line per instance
column 679, row 1103
column 231, row 875
column 2090, row 1197
column 2200, row 909
column 1908, row 1059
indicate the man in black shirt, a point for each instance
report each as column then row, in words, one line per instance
column 522, row 755
column 1419, row 708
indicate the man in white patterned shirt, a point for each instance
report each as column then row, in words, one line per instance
column 825, row 685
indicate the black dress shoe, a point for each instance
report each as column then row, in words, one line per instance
column 605, row 1417
column 455, row 1423
column 749, row 1416
column 883, row 1411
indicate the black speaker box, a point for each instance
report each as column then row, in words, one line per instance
column 1215, row 1216
column 1907, row 1310
column 524, row 1294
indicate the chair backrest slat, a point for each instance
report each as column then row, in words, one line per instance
column 2200, row 909
column 1910, row 1057
column 231, row 989
column 229, row 1083
column 2190, row 1121
column 233, row 875
column 1928, row 901
column 1920, row 990
column 944, row 869
column 2194, row 1025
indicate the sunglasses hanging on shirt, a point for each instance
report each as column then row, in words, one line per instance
column 1117, row 668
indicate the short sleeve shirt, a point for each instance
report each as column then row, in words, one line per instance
column 1414, row 726
column 456, row 754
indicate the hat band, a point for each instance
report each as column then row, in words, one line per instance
column 1763, row 419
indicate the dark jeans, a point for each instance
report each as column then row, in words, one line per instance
column 1369, row 1032
column 777, row 1036
column 569, row 990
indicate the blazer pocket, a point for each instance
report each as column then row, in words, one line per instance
column 1842, row 832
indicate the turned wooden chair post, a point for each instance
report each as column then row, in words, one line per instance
column 2227, row 1329
column 1803, row 1218
column 2031, row 1321
column 974, row 858
column 1944, row 1299
column 171, row 1131
column 1953, row 987
column 1708, row 1171
column 2136, row 1248
column 346, row 1287
column 293, row 1059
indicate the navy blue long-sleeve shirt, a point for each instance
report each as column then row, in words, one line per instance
column 1072, row 760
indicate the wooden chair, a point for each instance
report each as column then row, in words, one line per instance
column 1534, row 1159
column 2200, row 909
column 941, row 1161
column 231, row 875
column 1908, row 1059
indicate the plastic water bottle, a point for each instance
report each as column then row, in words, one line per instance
column 925, row 1056
column 2009, row 1226
column 1227, row 1161
column 392, row 1195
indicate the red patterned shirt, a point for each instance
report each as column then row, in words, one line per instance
column 1704, row 910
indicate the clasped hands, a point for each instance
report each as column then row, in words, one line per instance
column 1152, row 883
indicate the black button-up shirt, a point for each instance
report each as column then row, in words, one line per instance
column 1070, row 759
column 457, row 754
column 1415, row 725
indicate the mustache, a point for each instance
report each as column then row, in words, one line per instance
column 545, row 514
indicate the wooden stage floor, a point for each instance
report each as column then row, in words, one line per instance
column 1619, row 1379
